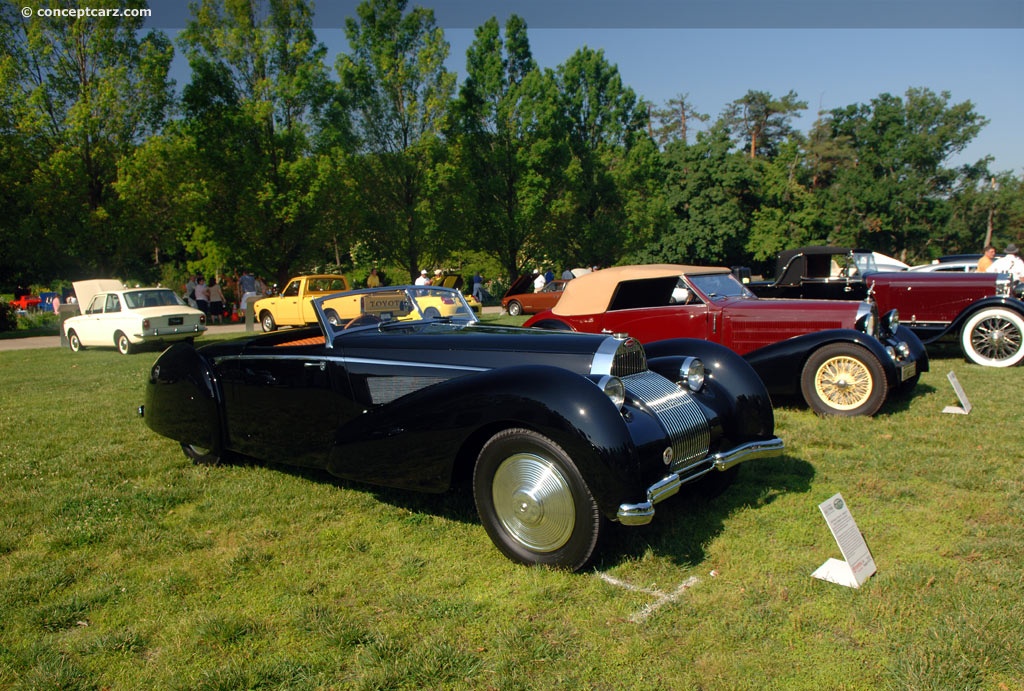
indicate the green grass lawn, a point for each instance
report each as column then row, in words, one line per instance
column 122, row 565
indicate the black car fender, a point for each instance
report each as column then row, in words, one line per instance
column 918, row 352
column 995, row 301
column 780, row 364
column 422, row 440
column 732, row 388
column 183, row 399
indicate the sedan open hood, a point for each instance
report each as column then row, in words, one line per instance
column 85, row 290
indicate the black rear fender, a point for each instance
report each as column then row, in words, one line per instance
column 183, row 399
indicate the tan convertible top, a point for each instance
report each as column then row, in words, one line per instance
column 593, row 292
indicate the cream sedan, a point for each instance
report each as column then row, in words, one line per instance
column 126, row 318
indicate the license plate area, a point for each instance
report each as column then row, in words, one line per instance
column 175, row 321
column 908, row 371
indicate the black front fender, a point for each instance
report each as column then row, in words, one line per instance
column 780, row 364
column 732, row 389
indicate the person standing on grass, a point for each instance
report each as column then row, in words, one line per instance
column 202, row 296
column 216, row 302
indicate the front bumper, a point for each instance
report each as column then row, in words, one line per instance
column 643, row 513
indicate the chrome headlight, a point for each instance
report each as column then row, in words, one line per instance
column 614, row 389
column 691, row 374
column 867, row 319
column 891, row 322
column 903, row 349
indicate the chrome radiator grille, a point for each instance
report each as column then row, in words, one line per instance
column 678, row 413
column 619, row 356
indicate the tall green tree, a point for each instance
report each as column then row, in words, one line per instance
column 512, row 147
column 761, row 121
column 254, row 107
column 712, row 192
column 894, row 195
column 401, row 93
column 604, row 120
column 79, row 95
column 673, row 121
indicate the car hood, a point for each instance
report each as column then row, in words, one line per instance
column 520, row 285
column 469, row 346
column 85, row 290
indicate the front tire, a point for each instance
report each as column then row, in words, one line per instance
column 200, row 455
column 124, row 346
column 74, row 341
column 267, row 322
column 534, row 503
column 843, row 379
column 994, row 338
column 515, row 308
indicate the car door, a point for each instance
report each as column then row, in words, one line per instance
column 89, row 326
column 283, row 403
column 288, row 309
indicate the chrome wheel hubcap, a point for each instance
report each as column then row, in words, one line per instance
column 533, row 502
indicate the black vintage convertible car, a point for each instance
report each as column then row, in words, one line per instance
column 558, row 433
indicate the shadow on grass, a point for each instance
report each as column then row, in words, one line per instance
column 685, row 524
column 682, row 527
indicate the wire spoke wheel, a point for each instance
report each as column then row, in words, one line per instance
column 995, row 338
column 843, row 381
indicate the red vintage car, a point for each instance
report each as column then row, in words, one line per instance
column 839, row 355
column 518, row 301
column 26, row 302
column 977, row 310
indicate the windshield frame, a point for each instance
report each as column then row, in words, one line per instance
column 411, row 305
column 702, row 282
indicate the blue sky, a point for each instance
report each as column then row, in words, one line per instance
column 832, row 53
column 827, row 68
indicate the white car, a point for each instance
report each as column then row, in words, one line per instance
column 129, row 317
column 947, row 267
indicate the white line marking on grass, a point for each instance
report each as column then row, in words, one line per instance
column 661, row 600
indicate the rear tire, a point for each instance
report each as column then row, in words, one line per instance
column 534, row 503
column 124, row 346
column 843, row 379
column 200, row 455
column 994, row 338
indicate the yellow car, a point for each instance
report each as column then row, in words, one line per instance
column 294, row 307
column 454, row 281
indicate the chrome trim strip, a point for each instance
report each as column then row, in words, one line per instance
column 349, row 360
column 643, row 512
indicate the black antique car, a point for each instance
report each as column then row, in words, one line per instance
column 557, row 432
column 982, row 312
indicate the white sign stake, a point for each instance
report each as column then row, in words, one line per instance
column 859, row 566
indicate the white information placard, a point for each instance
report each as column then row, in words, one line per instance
column 965, row 405
column 859, row 565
